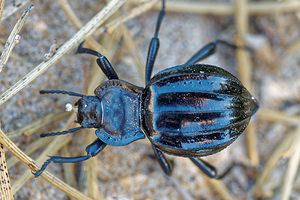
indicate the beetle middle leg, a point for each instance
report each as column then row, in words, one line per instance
column 210, row 170
column 92, row 150
column 164, row 163
column 154, row 45
column 209, row 50
column 102, row 61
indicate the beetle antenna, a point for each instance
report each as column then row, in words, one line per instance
column 62, row 132
column 61, row 92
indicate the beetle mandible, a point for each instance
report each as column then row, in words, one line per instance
column 189, row 110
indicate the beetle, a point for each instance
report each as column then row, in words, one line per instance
column 190, row 110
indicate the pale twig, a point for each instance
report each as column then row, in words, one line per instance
column 254, row 8
column 110, row 27
column 292, row 167
column 5, row 188
column 129, row 42
column 13, row 38
column 1, row 9
column 37, row 144
column 180, row 189
column 33, row 167
column 76, row 22
column 11, row 8
column 73, row 42
column 244, row 68
column 272, row 162
column 278, row 116
column 219, row 187
column 37, row 124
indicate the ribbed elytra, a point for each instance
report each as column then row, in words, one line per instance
column 206, row 117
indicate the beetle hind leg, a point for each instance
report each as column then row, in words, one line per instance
column 92, row 150
column 163, row 162
column 210, row 49
column 210, row 170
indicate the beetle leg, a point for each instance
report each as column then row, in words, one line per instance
column 92, row 150
column 164, row 163
column 154, row 44
column 210, row 170
column 102, row 61
column 209, row 50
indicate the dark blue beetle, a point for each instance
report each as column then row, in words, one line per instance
column 189, row 110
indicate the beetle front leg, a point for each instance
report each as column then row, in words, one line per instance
column 164, row 163
column 210, row 170
column 102, row 61
column 154, row 45
column 92, row 150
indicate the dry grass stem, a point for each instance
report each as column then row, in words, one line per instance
column 272, row 162
column 16, row 57
column 13, row 38
column 293, row 47
column 1, row 9
column 5, row 188
column 37, row 124
column 29, row 150
column 220, row 188
column 72, row 17
column 33, row 167
column 292, row 167
column 254, row 8
column 180, row 189
column 244, row 64
column 69, row 172
column 82, row 34
column 110, row 27
column 11, row 8
column 129, row 42
column 278, row 116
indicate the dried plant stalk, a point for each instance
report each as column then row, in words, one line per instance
column 72, row 17
column 37, row 124
column 220, row 188
column 129, row 42
column 41, row 142
column 292, row 167
column 272, row 162
column 120, row 20
column 70, row 191
column 13, row 38
column 5, row 188
column 83, row 33
column 1, row 9
column 254, row 8
column 244, row 64
column 278, row 116
column 11, row 8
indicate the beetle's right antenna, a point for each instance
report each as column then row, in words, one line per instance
column 62, row 132
column 61, row 92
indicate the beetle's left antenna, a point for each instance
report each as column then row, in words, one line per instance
column 62, row 132
column 61, row 92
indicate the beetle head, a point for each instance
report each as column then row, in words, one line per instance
column 89, row 112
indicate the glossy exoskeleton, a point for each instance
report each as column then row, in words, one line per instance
column 189, row 110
